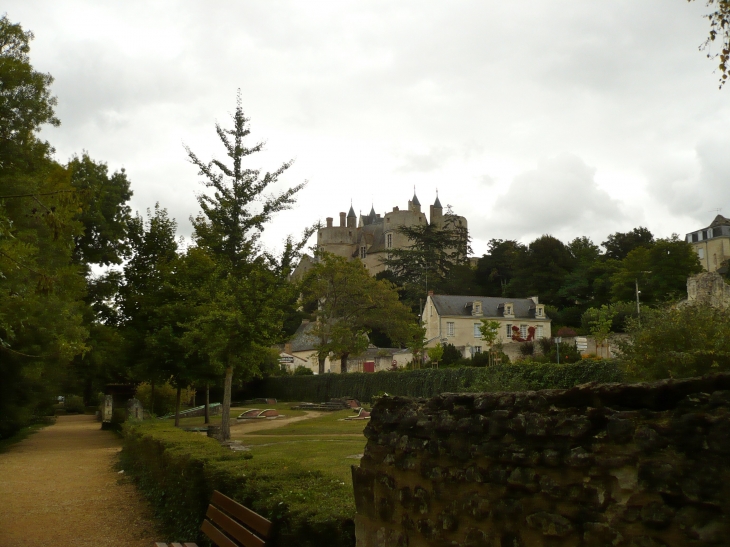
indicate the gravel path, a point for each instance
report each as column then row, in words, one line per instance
column 58, row 488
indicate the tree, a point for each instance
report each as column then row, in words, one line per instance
column 489, row 331
column 435, row 354
column 542, row 271
column 496, row 269
column 661, row 272
column 241, row 314
column 349, row 304
column 600, row 326
column 619, row 245
column 40, row 289
column 678, row 342
column 719, row 19
column 104, row 213
column 428, row 262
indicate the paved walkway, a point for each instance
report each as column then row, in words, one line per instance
column 58, row 489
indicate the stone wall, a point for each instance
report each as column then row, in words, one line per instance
column 642, row 465
column 708, row 289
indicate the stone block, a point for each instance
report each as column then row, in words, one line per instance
column 550, row 524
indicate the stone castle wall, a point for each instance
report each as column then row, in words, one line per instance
column 642, row 465
column 708, row 289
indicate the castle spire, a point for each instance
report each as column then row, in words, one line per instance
column 437, row 203
column 415, row 198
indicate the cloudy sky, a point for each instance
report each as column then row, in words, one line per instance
column 563, row 117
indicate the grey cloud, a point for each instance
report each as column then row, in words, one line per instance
column 433, row 160
column 560, row 197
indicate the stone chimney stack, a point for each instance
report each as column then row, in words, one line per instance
column 329, row 222
column 342, row 220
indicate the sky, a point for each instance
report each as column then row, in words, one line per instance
column 559, row 117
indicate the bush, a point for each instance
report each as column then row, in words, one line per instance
column 165, row 397
column 301, row 370
column 527, row 349
column 451, row 355
column 431, row 382
column 178, row 471
column 74, row 405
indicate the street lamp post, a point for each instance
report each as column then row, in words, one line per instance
column 638, row 292
column 557, row 343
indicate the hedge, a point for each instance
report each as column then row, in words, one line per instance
column 431, row 382
column 178, row 471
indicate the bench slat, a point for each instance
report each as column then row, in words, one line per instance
column 250, row 518
column 218, row 537
column 230, row 526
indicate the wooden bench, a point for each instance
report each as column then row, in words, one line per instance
column 230, row 524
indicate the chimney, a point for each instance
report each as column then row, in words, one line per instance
column 329, row 222
column 287, row 348
column 342, row 220
column 430, row 293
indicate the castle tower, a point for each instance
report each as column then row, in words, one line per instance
column 437, row 212
column 414, row 205
column 351, row 218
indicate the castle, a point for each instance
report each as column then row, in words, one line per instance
column 371, row 237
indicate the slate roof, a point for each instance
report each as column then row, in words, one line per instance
column 303, row 339
column 415, row 199
column 351, row 214
column 492, row 306
column 437, row 203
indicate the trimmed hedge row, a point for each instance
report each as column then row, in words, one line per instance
column 431, row 382
column 178, row 471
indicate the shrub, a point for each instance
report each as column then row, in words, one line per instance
column 301, row 370
column 527, row 348
column 74, row 405
column 178, row 471
column 451, row 355
column 431, row 382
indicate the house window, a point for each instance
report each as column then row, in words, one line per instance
column 508, row 309
column 523, row 331
column 450, row 328
column 538, row 311
column 363, row 252
column 509, row 330
column 389, row 240
column 694, row 237
column 477, row 349
column 701, row 252
column 477, row 332
column 538, row 332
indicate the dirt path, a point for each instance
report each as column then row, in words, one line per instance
column 58, row 488
column 244, row 427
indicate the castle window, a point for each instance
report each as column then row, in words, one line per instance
column 363, row 252
column 389, row 241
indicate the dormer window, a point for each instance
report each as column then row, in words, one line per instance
column 476, row 308
column 509, row 309
column 540, row 311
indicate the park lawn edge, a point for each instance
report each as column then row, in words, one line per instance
column 177, row 472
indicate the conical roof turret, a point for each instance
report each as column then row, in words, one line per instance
column 351, row 213
column 437, row 203
column 415, row 198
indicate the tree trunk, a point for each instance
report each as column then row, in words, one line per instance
column 152, row 397
column 226, row 406
column 207, row 403
column 177, row 407
column 343, row 363
column 321, row 363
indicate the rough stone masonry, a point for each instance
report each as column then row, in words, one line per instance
column 635, row 465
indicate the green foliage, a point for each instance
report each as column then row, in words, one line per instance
column 568, row 352
column 74, row 405
column 621, row 313
column 165, row 397
column 350, row 304
column 436, row 259
column 430, row 382
column 489, row 331
column 619, row 245
column 178, row 471
column 678, row 342
column 451, row 355
column 301, row 370
column 496, row 269
column 435, row 353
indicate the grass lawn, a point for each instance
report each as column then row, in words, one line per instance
column 330, row 424
column 331, row 455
